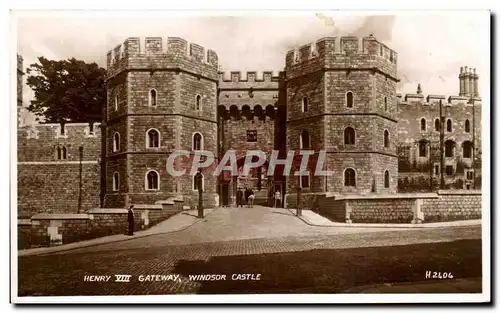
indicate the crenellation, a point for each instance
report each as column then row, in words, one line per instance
column 132, row 46
column 212, row 57
column 117, row 53
column 412, row 97
column 177, row 46
column 251, row 76
column 435, row 97
column 53, row 130
column 235, row 76
column 458, row 100
column 349, row 45
column 304, row 53
column 197, row 52
column 154, row 45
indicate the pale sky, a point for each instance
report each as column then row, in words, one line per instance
column 431, row 47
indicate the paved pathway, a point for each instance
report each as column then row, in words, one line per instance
column 63, row 273
column 258, row 237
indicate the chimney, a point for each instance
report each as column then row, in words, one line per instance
column 466, row 82
column 419, row 89
column 476, row 83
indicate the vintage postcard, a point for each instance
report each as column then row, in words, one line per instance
column 263, row 157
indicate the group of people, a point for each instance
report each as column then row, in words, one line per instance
column 247, row 197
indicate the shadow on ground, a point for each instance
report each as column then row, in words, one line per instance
column 335, row 271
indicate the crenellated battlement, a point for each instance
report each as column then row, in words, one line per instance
column 250, row 79
column 411, row 99
column 342, row 52
column 71, row 131
column 151, row 52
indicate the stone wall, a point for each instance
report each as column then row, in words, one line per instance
column 444, row 205
column 55, row 229
column 308, row 200
column 49, row 184
column 453, row 205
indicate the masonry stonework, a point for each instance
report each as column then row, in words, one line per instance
column 175, row 88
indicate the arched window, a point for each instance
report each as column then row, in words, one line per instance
column 467, row 149
column 386, row 138
column 386, row 179
column 61, row 153
column 304, row 140
column 195, row 186
column 423, row 124
column 449, row 147
column 350, row 177
column 437, row 125
column 152, row 181
column 348, row 99
column 449, row 126
column 152, row 97
column 349, row 136
column 198, row 103
column 385, row 104
column 116, row 142
column 116, row 181
column 422, row 148
column 197, row 141
column 467, row 126
column 153, row 138
column 116, row 102
column 305, row 104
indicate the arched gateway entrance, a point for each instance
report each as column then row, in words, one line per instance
column 262, row 185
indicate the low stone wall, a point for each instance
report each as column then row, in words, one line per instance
column 55, row 229
column 307, row 200
column 453, row 205
column 446, row 205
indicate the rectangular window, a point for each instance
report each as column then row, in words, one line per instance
column 449, row 170
column 470, row 175
column 251, row 136
column 304, row 181
column 436, row 169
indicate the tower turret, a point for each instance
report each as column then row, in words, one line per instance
column 349, row 85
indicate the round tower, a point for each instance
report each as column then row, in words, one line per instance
column 341, row 98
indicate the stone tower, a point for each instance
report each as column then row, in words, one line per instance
column 158, row 101
column 341, row 98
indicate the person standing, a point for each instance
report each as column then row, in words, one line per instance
column 251, row 198
column 247, row 194
column 277, row 198
column 131, row 220
column 239, row 198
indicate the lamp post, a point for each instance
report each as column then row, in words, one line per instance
column 199, row 183
column 80, row 149
column 299, row 196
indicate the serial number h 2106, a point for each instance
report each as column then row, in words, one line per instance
column 438, row 275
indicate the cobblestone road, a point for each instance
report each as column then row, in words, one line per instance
column 275, row 239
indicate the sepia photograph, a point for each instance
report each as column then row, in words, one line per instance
column 250, row 157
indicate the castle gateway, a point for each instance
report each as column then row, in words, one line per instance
column 336, row 95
